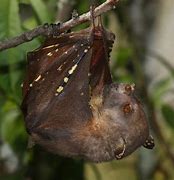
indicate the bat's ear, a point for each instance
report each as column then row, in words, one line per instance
column 149, row 143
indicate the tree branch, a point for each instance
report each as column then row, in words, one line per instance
column 46, row 30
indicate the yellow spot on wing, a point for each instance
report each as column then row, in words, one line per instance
column 38, row 78
column 72, row 69
column 60, row 89
column 59, row 68
column 47, row 47
column 66, row 79
column 49, row 54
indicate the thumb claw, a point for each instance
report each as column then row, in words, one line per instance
column 149, row 143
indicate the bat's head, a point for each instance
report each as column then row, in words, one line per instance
column 124, row 121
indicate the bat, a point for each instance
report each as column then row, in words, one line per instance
column 72, row 107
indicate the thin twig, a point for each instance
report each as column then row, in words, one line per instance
column 46, row 30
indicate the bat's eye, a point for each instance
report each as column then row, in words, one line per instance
column 129, row 88
column 127, row 108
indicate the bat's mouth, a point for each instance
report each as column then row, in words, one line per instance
column 119, row 153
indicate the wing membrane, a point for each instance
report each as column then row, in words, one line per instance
column 42, row 104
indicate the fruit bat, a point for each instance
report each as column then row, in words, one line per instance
column 72, row 107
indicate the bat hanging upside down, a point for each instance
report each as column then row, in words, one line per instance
column 72, row 107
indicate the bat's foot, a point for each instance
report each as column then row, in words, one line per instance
column 54, row 29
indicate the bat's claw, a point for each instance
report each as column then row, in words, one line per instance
column 149, row 143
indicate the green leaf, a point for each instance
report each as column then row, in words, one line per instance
column 168, row 113
column 24, row 1
column 10, row 26
column 123, row 56
column 12, row 127
column 4, row 82
column 41, row 11
column 9, row 19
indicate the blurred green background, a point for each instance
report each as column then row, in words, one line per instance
column 142, row 54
